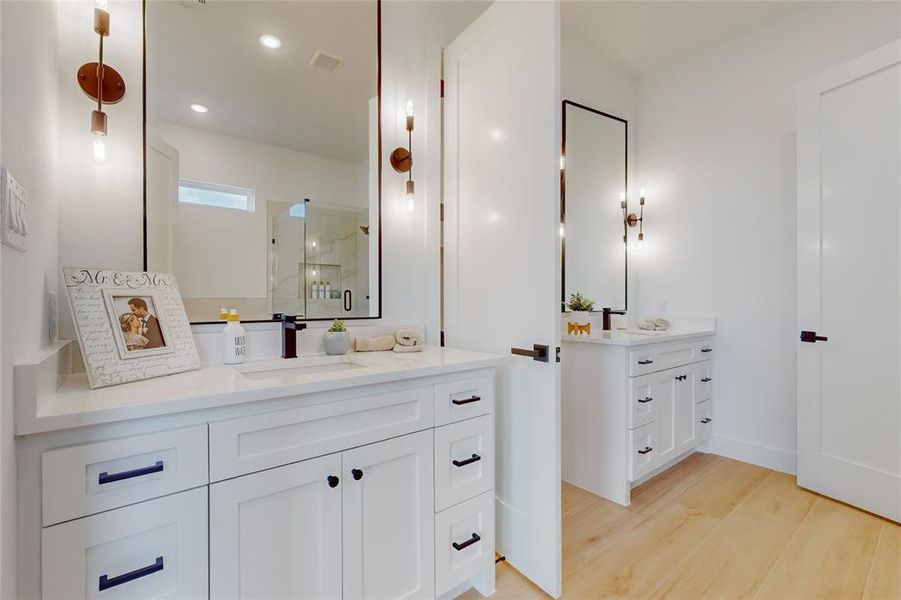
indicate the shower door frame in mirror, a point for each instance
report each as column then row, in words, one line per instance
column 564, row 231
column 378, row 217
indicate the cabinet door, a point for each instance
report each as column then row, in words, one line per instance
column 154, row 549
column 664, row 390
column 685, row 421
column 389, row 519
column 277, row 534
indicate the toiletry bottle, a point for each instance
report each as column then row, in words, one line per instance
column 223, row 314
column 234, row 340
column 328, row 290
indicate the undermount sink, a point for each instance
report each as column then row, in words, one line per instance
column 300, row 366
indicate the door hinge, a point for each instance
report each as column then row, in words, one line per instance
column 442, row 88
column 441, row 342
column 558, row 353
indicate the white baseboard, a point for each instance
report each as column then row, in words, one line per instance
column 756, row 454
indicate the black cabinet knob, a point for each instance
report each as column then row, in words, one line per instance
column 333, row 481
column 645, row 400
column 357, row 474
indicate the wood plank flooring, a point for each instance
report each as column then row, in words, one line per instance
column 711, row 527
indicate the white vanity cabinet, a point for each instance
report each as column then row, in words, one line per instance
column 631, row 411
column 381, row 490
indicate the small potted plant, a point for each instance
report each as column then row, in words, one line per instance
column 337, row 339
column 579, row 307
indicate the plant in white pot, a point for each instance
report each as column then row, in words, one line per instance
column 337, row 339
column 579, row 307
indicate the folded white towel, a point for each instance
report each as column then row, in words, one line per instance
column 377, row 344
column 658, row 324
column 408, row 340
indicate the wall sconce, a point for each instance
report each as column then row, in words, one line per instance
column 402, row 159
column 631, row 220
column 100, row 83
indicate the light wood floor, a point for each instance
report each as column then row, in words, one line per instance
column 711, row 527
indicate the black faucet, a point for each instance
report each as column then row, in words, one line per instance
column 607, row 313
column 290, row 327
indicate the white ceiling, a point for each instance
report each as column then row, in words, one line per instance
column 211, row 55
column 642, row 36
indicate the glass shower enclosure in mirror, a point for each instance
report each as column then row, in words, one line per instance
column 593, row 183
column 262, row 146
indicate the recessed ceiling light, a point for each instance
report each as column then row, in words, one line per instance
column 199, row 108
column 270, row 41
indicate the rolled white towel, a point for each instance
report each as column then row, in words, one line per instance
column 408, row 340
column 658, row 324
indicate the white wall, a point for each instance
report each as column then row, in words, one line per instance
column 28, row 96
column 716, row 149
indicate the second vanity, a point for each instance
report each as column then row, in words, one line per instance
column 633, row 404
column 364, row 476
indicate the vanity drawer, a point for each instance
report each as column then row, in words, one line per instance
column 90, row 478
column 643, row 454
column 464, row 542
column 657, row 357
column 254, row 443
column 642, row 406
column 464, row 399
column 464, row 461
column 704, row 414
column 155, row 549
column 702, row 376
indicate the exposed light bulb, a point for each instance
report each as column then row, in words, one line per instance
column 410, row 107
column 622, row 196
column 102, row 5
column 411, row 202
column 642, row 193
column 562, row 230
column 270, row 41
column 99, row 149
column 562, row 162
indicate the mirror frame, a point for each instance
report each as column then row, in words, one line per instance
column 563, row 203
column 378, row 24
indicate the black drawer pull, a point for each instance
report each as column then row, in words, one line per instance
column 706, row 350
column 468, row 461
column 645, row 400
column 706, row 420
column 706, row 379
column 646, row 362
column 357, row 474
column 646, row 450
column 107, row 582
column 681, row 377
column 466, row 401
column 107, row 478
column 475, row 538
column 333, row 481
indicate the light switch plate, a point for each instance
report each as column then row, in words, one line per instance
column 13, row 212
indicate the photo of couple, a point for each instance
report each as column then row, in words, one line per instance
column 140, row 327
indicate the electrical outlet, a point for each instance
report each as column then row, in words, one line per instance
column 13, row 212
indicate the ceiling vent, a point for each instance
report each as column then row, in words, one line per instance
column 326, row 61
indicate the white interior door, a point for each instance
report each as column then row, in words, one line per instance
column 849, row 268
column 502, row 140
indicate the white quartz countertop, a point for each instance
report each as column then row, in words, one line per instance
column 74, row 404
column 620, row 337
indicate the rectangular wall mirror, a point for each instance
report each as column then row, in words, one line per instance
column 262, row 182
column 593, row 183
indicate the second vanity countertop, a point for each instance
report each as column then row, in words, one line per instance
column 74, row 404
column 631, row 337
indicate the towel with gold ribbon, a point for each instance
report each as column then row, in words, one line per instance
column 575, row 328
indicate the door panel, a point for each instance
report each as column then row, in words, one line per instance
column 277, row 533
column 389, row 517
column 502, row 140
column 849, row 401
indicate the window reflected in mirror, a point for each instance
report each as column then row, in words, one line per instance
column 262, row 145
column 593, row 184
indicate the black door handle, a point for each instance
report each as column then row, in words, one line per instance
column 811, row 337
column 646, row 450
column 465, row 400
column 107, row 478
column 468, row 461
column 645, row 400
column 475, row 538
column 538, row 352
column 106, row 582
column 357, row 474
column 646, row 362
column 333, row 481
